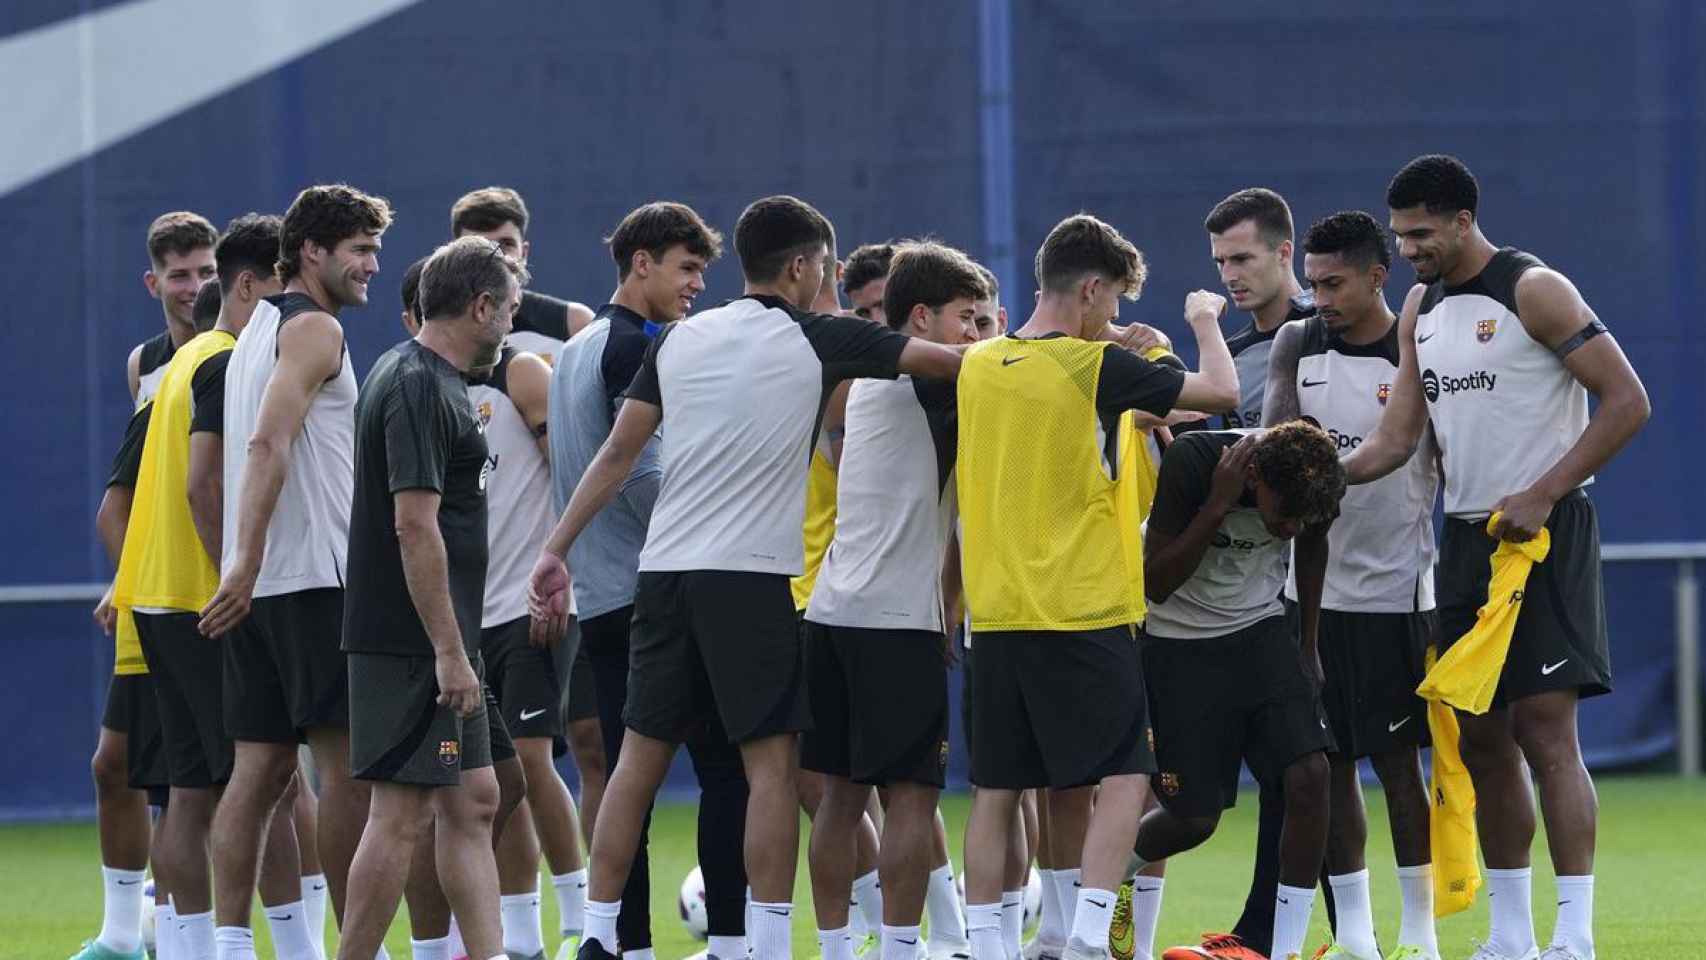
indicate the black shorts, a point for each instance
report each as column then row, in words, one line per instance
column 133, row 710
column 1219, row 700
column 581, row 695
column 398, row 731
column 717, row 642
column 524, row 679
column 1057, row 708
column 879, row 701
column 1373, row 663
column 497, row 731
column 285, row 673
column 1560, row 638
column 186, row 669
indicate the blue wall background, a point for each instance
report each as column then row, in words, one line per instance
column 979, row 121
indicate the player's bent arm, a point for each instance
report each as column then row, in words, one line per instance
column 932, row 361
column 1214, row 387
column 310, row 352
column 205, row 487
column 1171, row 559
column 112, row 518
column 1394, row 441
column 1553, row 313
column 529, row 383
column 1279, row 400
column 426, row 567
column 1310, row 556
column 604, row 476
column 133, row 372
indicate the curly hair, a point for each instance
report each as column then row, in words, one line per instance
column 327, row 216
column 1437, row 182
column 1298, row 461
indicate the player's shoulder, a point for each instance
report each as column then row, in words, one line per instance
column 1510, row 268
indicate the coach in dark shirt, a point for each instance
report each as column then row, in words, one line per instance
column 417, row 570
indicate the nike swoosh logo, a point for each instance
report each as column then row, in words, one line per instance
column 318, row 887
column 1547, row 670
column 1562, row 902
column 1311, row 383
column 1393, row 727
column 1098, row 904
column 1009, row 361
column 280, row 919
column 779, row 913
column 530, row 714
column 128, row 883
column 1144, row 889
column 1284, row 901
column 1426, row 338
column 136, row 89
column 910, row 943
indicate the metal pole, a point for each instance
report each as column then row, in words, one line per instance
column 1687, row 669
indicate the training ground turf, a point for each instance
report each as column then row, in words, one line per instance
column 1650, row 893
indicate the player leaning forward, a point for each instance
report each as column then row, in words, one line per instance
column 1498, row 354
column 1047, row 574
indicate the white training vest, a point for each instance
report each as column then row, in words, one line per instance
column 308, row 538
column 1503, row 406
column 518, row 497
column 1381, row 547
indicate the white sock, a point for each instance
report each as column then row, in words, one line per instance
column 521, row 930
column 644, row 953
column 942, row 906
column 121, row 914
column 234, row 943
column 1356, row 914
column 726, row 947
column 1416, row 929
column 291, row 939
column 900, row 943
column 1510, row 904
column 457, row 947
column 983, row 928
column 1574, row 928
column 1066, row 893
column 1050, row 931
column 195, row 936
column 1090, row 918
column 835, row 944
column 601, row 923
column 1012, row 919
column 571, row 902
column 384, row 954
column 1145, row 914
column 868, row 894
column 314, row 905
column 1291, row 919
column 165, row 931
column 436, row 949
column 771, row 930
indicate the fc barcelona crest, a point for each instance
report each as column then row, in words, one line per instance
column 1484, row 329
column 449, row 752
column 1383, row 393
column 1169, row 783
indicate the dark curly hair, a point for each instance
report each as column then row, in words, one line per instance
column 327, row 216
column 1353, row 235
column 1082, row 244
column 1436, row 181
column 1299, row 462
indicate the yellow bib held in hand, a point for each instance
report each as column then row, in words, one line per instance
column 1451, row 821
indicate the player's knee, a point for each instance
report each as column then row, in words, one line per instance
column 586, row 742
column 109, row 768
column 1398, row 770
column 1306, row 782
column 1200, row 828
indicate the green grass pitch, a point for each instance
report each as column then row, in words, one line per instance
column 1651, row 888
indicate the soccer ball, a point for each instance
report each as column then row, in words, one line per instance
column 691, row 904
column 148, row 918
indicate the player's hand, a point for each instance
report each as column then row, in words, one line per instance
column 548, row 599
column 1521, row 516
column 106, row 615
column 230, row 604
column 1139, row 338
column 1229, row 474
column 458, row 686
column 1204, row 306
column 951, row 647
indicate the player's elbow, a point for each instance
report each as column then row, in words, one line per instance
column 206, row 493
column 265, row 447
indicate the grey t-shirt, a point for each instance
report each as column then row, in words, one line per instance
column 1244, row 568
column 591, row 372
